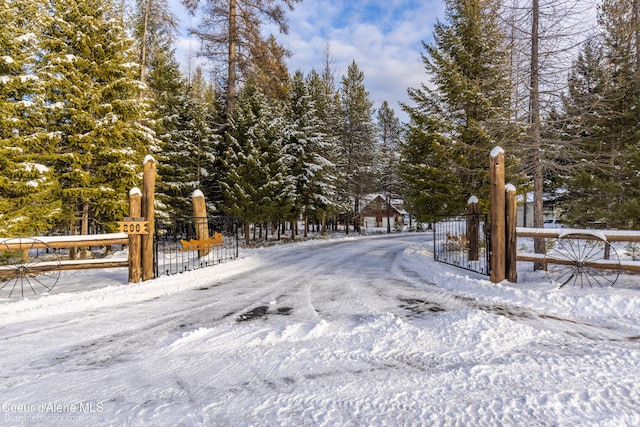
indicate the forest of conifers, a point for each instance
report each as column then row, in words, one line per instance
column 88, row 88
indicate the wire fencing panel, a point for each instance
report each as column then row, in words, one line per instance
column 463, row 241
column 179, row 247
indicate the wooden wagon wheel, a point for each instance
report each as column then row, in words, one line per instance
column 582, row 259
column 27, row 266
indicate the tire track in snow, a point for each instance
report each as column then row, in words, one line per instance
column 353, row 320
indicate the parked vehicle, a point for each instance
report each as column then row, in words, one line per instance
column 554, row 223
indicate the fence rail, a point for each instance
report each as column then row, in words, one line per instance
column 29, row 265
column 607, row 261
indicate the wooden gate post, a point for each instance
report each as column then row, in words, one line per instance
column 135, row 211
column 473, row 222
column 497, row 215
column 512, row 238
column 200, row 220
column 148, row 203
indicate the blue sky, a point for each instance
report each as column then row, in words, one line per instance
column 384, row 37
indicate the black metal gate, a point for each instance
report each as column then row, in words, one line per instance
column 463, row 241
column 178, row 248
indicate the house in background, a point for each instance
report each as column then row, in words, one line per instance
column 376, row 212
column 550, row 208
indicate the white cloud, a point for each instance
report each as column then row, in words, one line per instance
column 384, row 37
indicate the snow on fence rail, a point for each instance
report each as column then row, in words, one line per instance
column 29, row 265
column 554, row 233
column 609, row 236
column 65, row 242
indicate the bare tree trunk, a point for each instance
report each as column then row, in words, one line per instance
column 246, row 232
column 84, row 227
column 306, row 226
column 231, row 66
column 143, row 59
column 636, row 26
column 388, row 214
column 73, row 230
column 536, row 137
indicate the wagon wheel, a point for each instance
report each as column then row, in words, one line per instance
column 584, row 260
column 27, row 266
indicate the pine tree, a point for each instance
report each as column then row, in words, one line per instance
column 172, row 114
column 465, row 109
column 620, row 20
column 356, row 140
column 429, row 187
column 326, row 105
column 182, row 118
column 255, row 186
column 94, row 113
column 29, row 198
column 231, row 33
column 589, row 160
column 304, row 148
column 602, row 115
column 389, row 134
column 154, row 25
column 268, row 69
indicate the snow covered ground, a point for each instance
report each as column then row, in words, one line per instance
column 355, row 331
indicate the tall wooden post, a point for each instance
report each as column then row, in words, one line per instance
column 473, row 226
column 135, row 211
column 148, row 202
column 200, row 220
column 497, row 215
column 511, row 237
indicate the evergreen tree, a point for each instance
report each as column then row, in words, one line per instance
column 268, row 69
column 356, row 141
column 170, row 104
column 429, row 187
column 94, row 113
column 620, row 20
column 188, row 143
column 154, row 25
column 231, row 33
column 588, row 158
column 389, row 134
column 256, row 189
column 29, row 199
column 465, row 110
column 304, row 147
column 326, row 105
column 602, row 115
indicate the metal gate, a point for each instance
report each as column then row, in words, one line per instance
column 178, row 248
column 463, row 241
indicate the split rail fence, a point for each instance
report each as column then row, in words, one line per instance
column 29, row 265
column 575, row 257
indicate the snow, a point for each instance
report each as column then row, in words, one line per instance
column 595, row 233
column 496, row 151
column 135, row 191
column 510, row 188
column 30, row 166
column 473, row 199
column 351, row 331
column 148, row 158
column 26, row 37
column 196, row 194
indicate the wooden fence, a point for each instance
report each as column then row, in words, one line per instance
column 68, row 242
column 610, row 236
column 594, row 255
